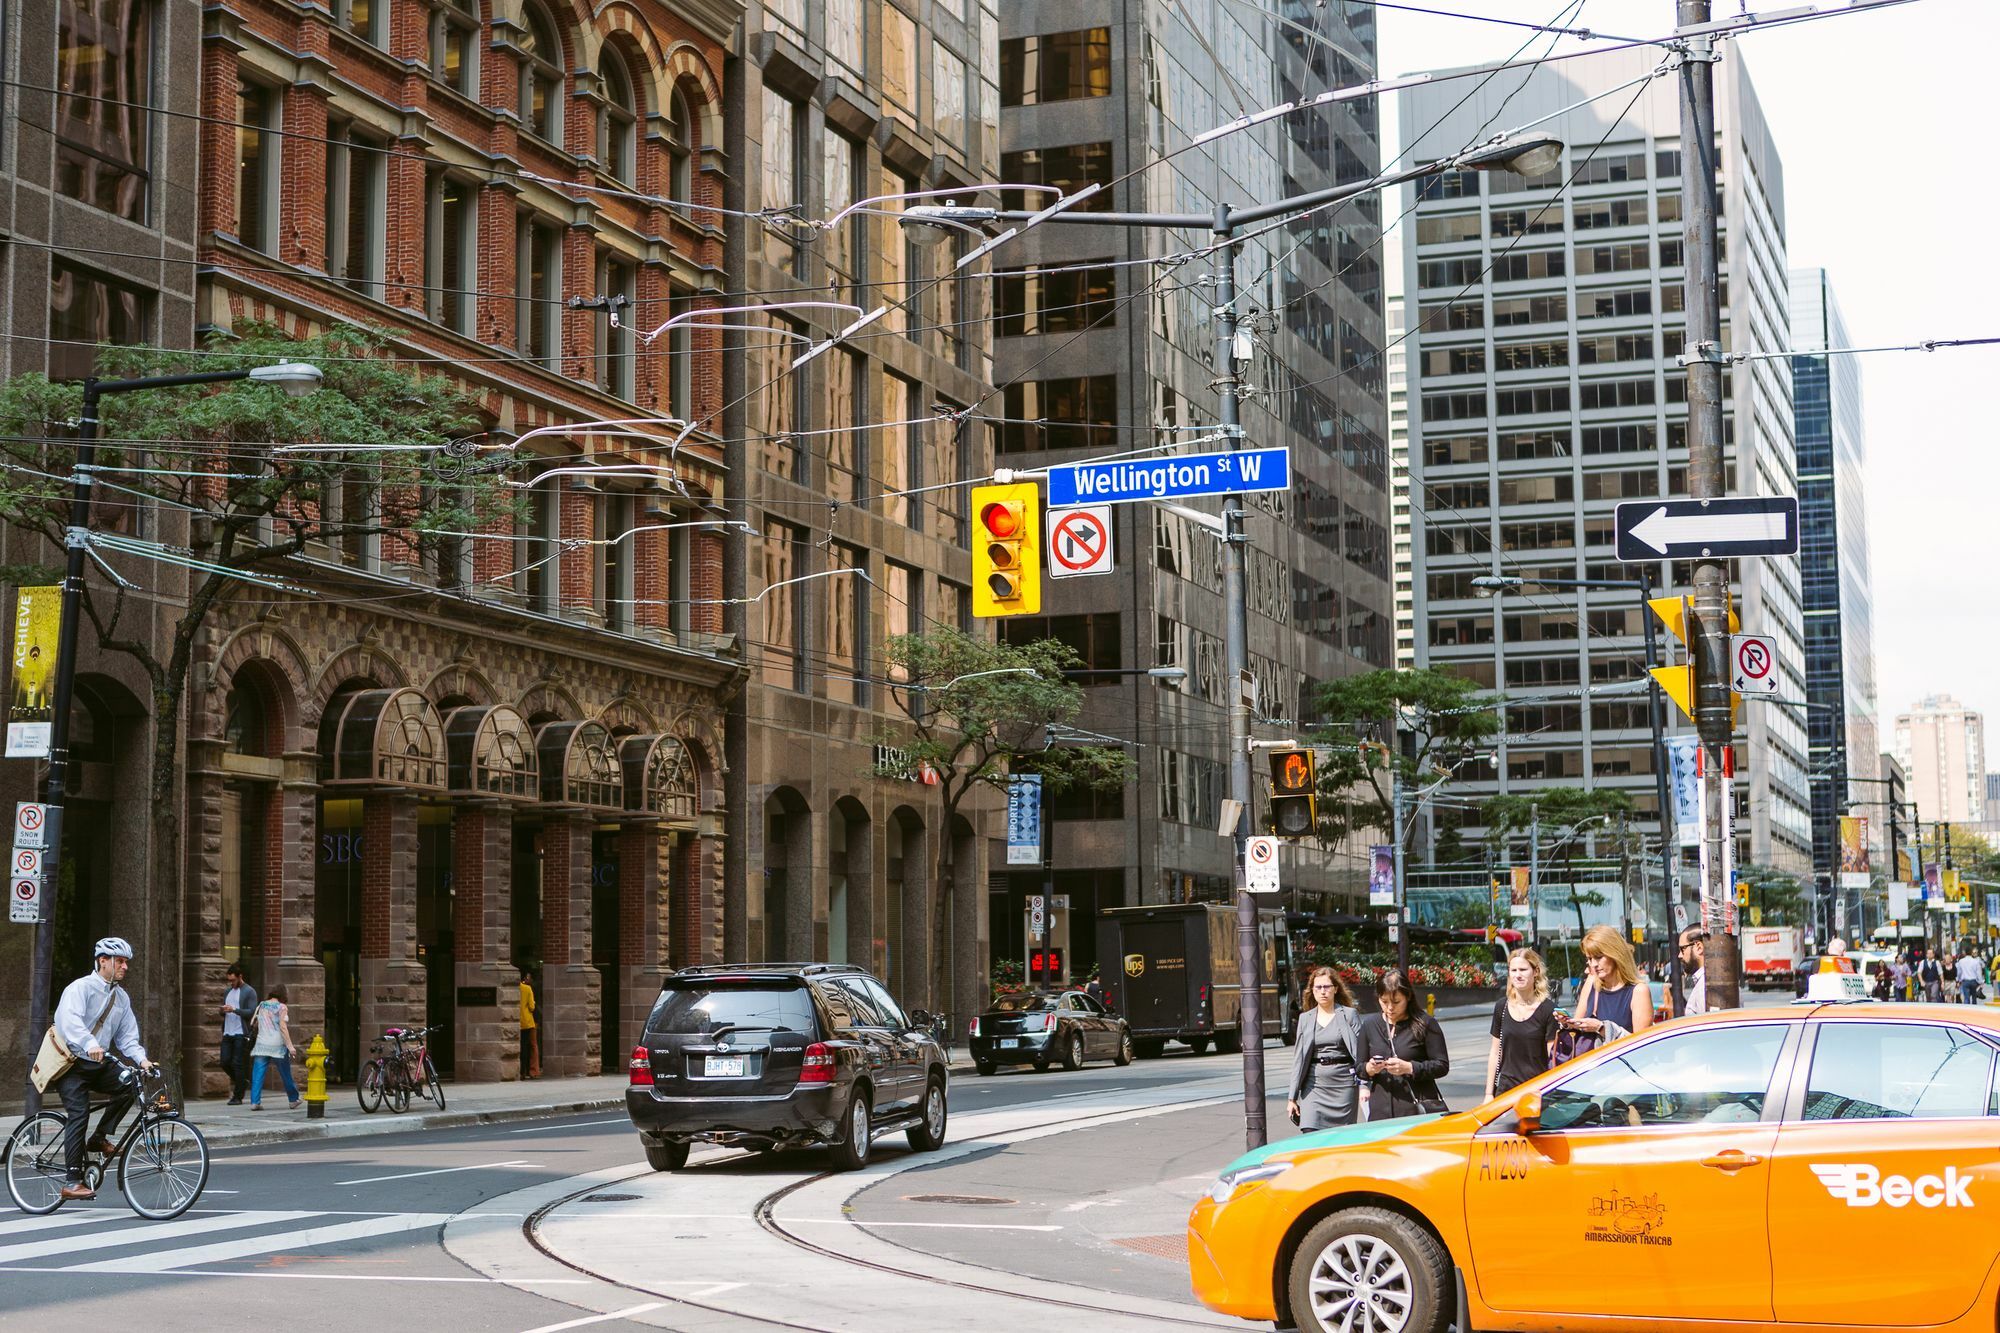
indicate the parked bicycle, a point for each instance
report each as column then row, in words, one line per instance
column 399, row 1071
column 162, row 1159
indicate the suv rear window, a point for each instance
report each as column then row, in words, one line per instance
column 706, row 1009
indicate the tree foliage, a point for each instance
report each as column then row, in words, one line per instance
column 1564, row 813
column 1421, row 726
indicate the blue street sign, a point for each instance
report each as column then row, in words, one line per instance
column 1170, row 478
column 1024, row 819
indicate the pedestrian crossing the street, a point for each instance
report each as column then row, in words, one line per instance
column 111, row 1240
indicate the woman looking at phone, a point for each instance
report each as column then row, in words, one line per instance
column 1609, row 994
column 1406, row 1054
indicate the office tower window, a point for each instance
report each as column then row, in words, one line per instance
column 1055, row 67
column 618, row 122
column 1062, row 301
column 899, row 64
column 257, row 150
column 846, row 458
column 781, row 629
column 540, row 103
column 892, row 454
column 1068, row 168
column 87, row 311
column 355, row 217
column 451, row 241
column 618, row 283
column 846, row 626
column 454, row 45
column 103, row 79
column 775, row 410
column 903, row 612
column 1073, row 412
column 784, row 138
column 840, row 167
column 844, row 35
column 948, row 96
column 538, row 288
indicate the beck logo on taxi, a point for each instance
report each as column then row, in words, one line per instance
column 1865, row 1186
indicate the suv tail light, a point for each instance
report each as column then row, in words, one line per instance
column 973, row 1031
column 818, row 1064
column 641, row 1067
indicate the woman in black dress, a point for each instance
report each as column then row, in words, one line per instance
column 1406, row 1053
column 1524, row 1023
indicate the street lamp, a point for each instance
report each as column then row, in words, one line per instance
column 1495, row 585
column 296, row 379
column 931, row 223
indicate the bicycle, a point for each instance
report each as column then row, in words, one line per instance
column 162, row 1159
column 394, row 1076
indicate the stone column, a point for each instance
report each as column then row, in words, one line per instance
column 572, row 1041
column 643, row 928
column 202, row 963
column 291, row 887
column 392, row 980
column 487, row 1040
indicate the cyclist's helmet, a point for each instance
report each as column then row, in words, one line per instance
column 113, row 947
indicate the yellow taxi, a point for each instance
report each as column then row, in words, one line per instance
column 1822, row 1166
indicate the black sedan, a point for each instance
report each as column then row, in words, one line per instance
column 1035, row 1027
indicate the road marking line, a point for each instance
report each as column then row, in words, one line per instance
column 309, row 1238
column 103, row 1240
column 599, row 1318
column 50, row 1222
column 441, row 1171
column 324, row 1277
column 586, row 1124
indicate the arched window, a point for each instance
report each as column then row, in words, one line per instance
column 541, row 75
column 617, row 124
column 680, row 149
column 243, row 721
column 455, row 45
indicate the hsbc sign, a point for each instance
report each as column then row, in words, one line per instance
column 1865, row 1186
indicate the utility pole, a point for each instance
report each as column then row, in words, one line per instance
column 1535, row 873
column 1706, row 477
column 1396, row 823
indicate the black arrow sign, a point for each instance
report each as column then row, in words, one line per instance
column 1718, row 529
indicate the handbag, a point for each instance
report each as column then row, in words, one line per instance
column 54, row 1059
column 1570, row 1043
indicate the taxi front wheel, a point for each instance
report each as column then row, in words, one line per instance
column 1368, row 1270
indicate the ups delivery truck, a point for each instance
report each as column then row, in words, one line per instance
column 1170, row 972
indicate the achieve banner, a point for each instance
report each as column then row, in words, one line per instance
column 30, row 709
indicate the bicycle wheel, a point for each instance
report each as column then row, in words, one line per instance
column 164, row 1170
column 35, row 1163
column 368, row 1088
column 396, row 1090
column 435, row 1089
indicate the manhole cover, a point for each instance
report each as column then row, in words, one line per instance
column 609, row 1198
column 978, row 1199
column 1160, row 1247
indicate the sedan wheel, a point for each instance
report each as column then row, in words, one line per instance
column 1368, row 1270
column 929, row 1136
column 1073, row 1052
column 1124, row 1056
column 851, row 1153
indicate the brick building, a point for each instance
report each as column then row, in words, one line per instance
column 453, row 759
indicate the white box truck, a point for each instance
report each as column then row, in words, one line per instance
column 1772, row 956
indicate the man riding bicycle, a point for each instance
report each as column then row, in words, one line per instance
column 95, row 1017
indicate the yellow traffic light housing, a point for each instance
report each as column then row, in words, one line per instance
column 1678, row 681
column 1006, row 550
column 1294, row 793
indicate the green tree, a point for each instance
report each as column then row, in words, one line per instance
column 1421, row 726
column 1564, row 814
column 976, row 709
column 1780, row 898
column 223, row 469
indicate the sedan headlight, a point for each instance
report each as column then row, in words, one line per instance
column 1229, row 1182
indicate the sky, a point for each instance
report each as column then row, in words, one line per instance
column 1884, row 121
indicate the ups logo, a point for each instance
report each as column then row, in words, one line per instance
column 1135, row 965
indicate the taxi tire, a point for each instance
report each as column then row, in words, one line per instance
column 1426, row 1258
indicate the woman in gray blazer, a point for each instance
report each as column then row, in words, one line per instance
column 1326, row 1058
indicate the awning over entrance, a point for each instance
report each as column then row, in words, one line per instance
column 492, row 753
column 387, row 737
column 660, row 778
column 579, row 763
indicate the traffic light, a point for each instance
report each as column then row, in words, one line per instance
column 1742, row 893
column 1294, row 794
column 1006, row 550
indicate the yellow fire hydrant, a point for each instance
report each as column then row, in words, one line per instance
column 1431, row 1003
column 316, row 1078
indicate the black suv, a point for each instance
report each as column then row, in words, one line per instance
column 782, row 1055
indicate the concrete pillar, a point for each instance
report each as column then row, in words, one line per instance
column 392, row 980
column 487, row 1039
column 572, row 1042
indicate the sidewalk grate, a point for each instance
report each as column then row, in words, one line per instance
column 1160, row 1247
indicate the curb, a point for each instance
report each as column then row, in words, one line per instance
column 390, row 1123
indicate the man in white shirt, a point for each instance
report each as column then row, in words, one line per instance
column 93, row 1018
column 1970, row 973
column 237, row 1002
column 1695, row 969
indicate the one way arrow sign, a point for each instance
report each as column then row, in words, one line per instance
column 1718, row 529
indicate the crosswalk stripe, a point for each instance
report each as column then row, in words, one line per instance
column 304, row 1239
column 53, row 1220
column 104, row 1240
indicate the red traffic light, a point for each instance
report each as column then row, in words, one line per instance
column 1001, row 519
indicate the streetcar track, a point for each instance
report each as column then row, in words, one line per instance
column 762, row 1213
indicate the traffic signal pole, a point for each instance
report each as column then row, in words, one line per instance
column 1707, row 480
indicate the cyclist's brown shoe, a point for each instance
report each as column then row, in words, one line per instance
column 78, row 1190
column 103, row 1147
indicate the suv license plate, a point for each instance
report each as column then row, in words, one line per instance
column 718, row 1067
column 1006, row 1042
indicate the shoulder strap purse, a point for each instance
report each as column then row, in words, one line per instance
column 55, row 1059
column 1570, row 1042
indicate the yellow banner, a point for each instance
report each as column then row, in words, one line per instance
column 1853, row 852
column 30, row 707
column 1519, row 905
column 1955, row 889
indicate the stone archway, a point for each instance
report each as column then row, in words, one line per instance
column 782, row 931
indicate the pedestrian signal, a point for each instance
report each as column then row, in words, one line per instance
column 1294, row 793
column 1006, row 550
column 1045, row 964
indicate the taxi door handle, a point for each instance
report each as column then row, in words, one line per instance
column 1731, row 1160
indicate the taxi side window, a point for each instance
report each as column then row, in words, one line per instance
column 1710, row 1076
column 1897, row 1071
